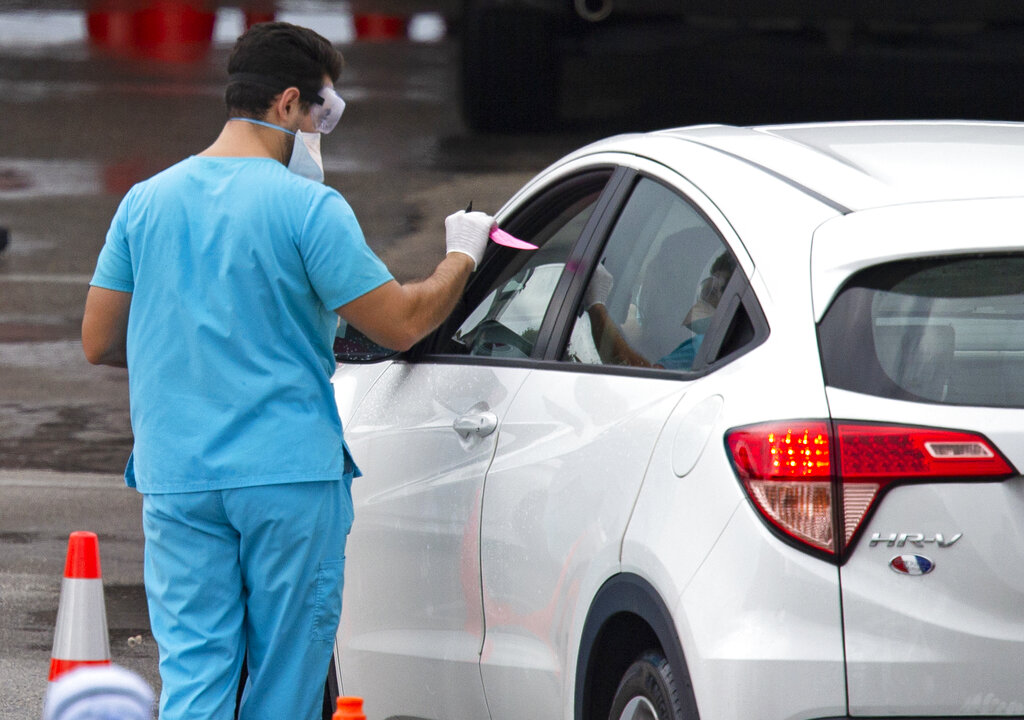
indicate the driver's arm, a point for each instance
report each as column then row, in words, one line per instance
column 611, row 345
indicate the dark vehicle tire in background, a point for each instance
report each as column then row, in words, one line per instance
column 510, row 66
column 648, row 690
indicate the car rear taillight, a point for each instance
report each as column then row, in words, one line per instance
column 794, row 472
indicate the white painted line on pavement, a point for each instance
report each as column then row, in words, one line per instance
column 82, row 279
column 64, row 480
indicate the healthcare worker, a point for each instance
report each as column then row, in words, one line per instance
column 217, row 287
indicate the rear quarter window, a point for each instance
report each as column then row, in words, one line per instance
column 944, row 330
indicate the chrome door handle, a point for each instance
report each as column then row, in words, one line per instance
column 480, row 424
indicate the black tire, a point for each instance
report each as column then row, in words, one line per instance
column 648, row 691
column 510, row 67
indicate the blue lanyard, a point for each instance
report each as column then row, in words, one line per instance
column 264, row 124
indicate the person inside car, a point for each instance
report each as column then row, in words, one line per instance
column 611, row 342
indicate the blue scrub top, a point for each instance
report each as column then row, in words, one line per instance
column 235, row 266
column 683, row 356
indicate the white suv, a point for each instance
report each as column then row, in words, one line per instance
column 739, row 441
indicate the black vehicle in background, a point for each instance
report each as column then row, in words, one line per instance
column 515, row 54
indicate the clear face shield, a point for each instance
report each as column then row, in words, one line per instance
column 327, row 110
column 709, row 294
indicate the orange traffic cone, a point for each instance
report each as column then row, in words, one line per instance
column 349, row 708
column 81, row 635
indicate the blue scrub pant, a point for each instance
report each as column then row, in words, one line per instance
column 255, row 570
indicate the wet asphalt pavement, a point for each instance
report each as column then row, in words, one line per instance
column 78, row 128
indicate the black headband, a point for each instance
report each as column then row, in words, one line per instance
column 276, row 83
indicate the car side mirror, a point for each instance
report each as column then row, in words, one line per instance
column 351, row 346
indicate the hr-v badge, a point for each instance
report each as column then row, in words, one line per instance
column 912, row 564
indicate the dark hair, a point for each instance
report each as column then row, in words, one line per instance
column 723, row 265
column 271, row 57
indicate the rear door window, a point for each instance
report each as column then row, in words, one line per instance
column 947, row 330
column 658, row 288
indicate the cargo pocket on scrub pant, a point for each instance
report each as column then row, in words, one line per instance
column 327, row 607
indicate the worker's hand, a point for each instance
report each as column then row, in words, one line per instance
column 599, row 289
column 467, row 232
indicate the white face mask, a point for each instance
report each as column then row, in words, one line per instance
column 306, row 159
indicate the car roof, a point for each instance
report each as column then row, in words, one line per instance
column 860, row 165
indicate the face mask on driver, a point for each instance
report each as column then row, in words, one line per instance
column 700, row 325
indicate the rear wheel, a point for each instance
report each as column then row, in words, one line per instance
column 647, row 691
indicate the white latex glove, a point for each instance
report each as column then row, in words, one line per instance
column 467, row 233
column 599, row 289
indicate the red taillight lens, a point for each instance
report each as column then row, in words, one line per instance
column 893, row 452
column 786, row 470
column 791, row 471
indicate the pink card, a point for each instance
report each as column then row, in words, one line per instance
column 503, row 238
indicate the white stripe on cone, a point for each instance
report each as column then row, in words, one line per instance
column 81, row 633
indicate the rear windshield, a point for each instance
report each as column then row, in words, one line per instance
column 947, row 330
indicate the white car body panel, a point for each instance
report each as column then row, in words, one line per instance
column 565, row 167
column 853, row 242
column 956, row 633
column 861, row 165
column 697, row 540
column 411, row 610
column 572, row 453
column 351, row 383
column 762, row 625
column 495, row 546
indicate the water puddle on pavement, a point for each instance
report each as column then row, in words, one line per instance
column 126, row 618
column 67, row 438
column 25, row 179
